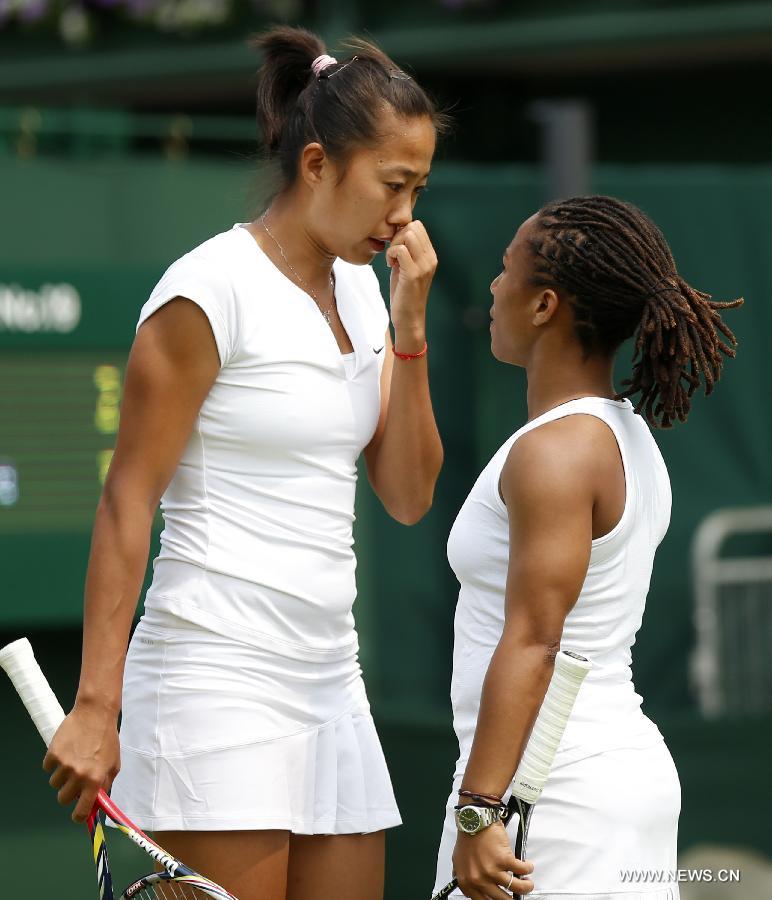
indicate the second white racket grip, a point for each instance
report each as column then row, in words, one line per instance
column 533, row 771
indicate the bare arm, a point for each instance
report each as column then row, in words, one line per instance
column 405, row 455
column 549, row 484
column 172, row 366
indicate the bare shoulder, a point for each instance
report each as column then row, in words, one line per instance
column 561, row 459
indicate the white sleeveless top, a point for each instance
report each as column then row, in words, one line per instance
column 607, row 615
column 257, row 540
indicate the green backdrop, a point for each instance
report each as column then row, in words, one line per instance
column 107, row 230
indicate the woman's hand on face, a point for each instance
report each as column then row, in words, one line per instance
column 484, row 862
column 413, row 262
column 83, row 757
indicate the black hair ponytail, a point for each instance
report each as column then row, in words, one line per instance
column 284, row 75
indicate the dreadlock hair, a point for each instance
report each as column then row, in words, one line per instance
column 618, row 273
column 341, row 108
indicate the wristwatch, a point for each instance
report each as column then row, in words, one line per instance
column 472, row 819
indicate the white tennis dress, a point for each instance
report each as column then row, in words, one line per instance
column 243, row 702
column 611, row 805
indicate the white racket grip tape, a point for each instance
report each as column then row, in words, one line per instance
column 534, row 769
column 18, row 661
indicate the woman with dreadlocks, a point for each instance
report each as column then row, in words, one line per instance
column 554, row 548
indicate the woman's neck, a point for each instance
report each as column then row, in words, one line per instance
column 282, row 233
column 553, row 380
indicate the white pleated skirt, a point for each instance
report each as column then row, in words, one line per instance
column 605, row 828
column 221, row 735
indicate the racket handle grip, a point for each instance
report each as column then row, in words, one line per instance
column 536, row 762
column 19, row 663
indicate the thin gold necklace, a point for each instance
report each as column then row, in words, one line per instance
column 326, row 313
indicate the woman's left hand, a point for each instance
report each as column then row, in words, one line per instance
column 413, row 262
column 484, row 862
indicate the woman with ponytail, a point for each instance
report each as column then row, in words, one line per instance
column 554, row 548
column 263, row 367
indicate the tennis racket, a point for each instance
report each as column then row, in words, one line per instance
column 176, row 880
column 534, row 769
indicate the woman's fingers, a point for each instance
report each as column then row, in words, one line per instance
column 521, row 869
column 487, row 867
column 497, row 889
column 413, row 260
column 84, row 756
column 59, row 777
column 417, row 239
column 69, row 791
column 413, row 263
column 518, row 866
column 521, row 886
column 421, row 253
column 86, row 800
column 495, row 885
column 71, row 786
column 50, row 762
column 400, row 256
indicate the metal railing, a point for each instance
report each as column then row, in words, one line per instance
column 732, row 661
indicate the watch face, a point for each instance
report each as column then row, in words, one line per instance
column 469, row 819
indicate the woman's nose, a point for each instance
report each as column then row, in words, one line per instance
column 402, row 214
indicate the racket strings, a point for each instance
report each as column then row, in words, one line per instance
column 172, row 890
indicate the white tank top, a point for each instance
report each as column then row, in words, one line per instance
column 257, row 540
column 607, row 615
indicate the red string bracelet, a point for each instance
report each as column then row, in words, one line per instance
column 409, row 356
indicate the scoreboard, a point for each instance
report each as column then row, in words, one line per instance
column 64, row 341
column 59, row 414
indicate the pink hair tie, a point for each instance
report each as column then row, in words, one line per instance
column 321, row 63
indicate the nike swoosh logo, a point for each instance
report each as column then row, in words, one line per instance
column 379, row 349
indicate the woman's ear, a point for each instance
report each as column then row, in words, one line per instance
column 546, row 306
column 313, row 164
